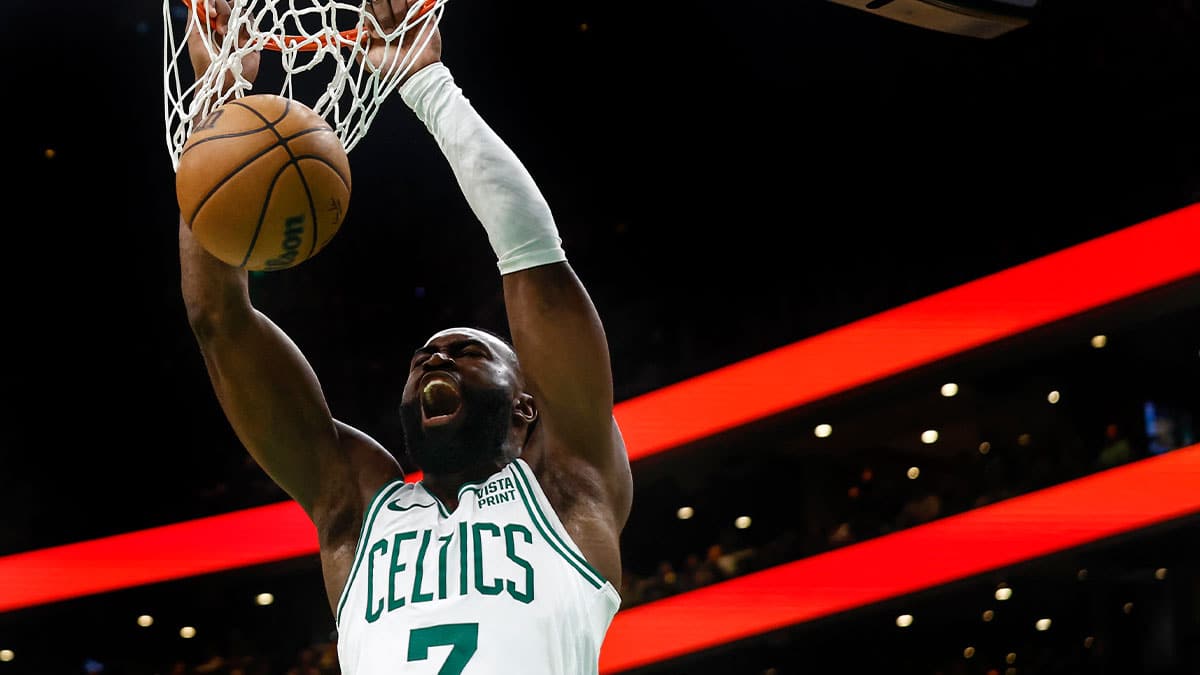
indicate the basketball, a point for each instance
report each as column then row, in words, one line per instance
column 263, row 183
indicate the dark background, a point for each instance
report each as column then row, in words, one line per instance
column 727, row 178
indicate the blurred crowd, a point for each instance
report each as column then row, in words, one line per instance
column 316, row 659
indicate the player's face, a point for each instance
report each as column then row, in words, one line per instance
column 457, row 406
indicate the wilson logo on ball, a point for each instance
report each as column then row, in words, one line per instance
column 293, row 237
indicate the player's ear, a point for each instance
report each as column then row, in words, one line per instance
column 525, row 408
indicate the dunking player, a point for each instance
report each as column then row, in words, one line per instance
column 503, row 559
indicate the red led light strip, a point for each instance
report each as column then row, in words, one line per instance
column 988, row 538
column 239, row 539
column 1077, row 279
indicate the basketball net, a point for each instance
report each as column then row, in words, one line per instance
column 319, row 41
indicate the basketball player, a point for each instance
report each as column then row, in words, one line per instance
column 505, row 557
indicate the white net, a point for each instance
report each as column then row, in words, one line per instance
column 321, row 60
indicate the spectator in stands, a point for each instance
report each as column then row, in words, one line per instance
column 1117, row 449
column 919, row 511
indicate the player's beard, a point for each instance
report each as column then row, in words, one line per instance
column 478, row 437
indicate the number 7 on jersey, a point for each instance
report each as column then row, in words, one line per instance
column 462, row 637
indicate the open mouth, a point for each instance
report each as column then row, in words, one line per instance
column 440, row 398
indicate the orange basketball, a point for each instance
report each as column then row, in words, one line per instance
column 263, row 182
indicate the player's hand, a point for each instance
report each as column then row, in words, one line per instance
column 390, row 14
column 215, row 13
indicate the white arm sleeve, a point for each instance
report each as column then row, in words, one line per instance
column 497, row 186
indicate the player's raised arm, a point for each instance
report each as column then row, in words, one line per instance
column 268, row 390
column 559, row 338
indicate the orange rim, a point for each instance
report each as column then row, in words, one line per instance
column 287, row 41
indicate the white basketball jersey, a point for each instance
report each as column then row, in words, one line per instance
column 497, row 587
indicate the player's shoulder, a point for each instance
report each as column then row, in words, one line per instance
column 349, row 487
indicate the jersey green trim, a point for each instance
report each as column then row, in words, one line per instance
column 551, row 538
column 564, row 544
column 470, row 486
column 376, row 504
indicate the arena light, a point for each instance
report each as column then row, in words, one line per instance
column 1151, row 254
column 982, row 540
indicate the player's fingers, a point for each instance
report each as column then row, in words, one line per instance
column 386, row 13
column 221, row 18
column 208, row 12
column 202, row 13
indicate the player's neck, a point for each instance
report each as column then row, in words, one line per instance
column 445, row 486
